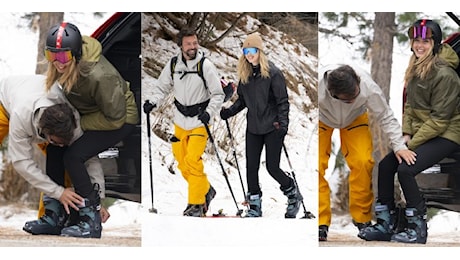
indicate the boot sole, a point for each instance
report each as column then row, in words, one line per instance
column 41, row 232
column 375, row 237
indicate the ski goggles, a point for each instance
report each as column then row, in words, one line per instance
column 61, row 56
column 421, row 31
column 250, row 50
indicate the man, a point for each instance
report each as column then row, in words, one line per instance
column 32, row 119
column 346, row 94
column 195, row 104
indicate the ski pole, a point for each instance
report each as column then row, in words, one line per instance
column 240, row 211
column 148, row 107
column 308, row 214
column 236, row 160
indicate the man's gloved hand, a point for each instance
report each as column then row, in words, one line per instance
column 148, row 106
column 225, row 113
column 204, row 117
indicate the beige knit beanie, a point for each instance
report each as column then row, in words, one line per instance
column 253, row 40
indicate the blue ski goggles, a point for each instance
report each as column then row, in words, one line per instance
column 250, row 50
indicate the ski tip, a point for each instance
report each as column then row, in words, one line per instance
column 308, row 215
column 220, row 214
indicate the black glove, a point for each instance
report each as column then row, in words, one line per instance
column 281, row 131
column 204, row 117
column 148, row 106
column 225, row 113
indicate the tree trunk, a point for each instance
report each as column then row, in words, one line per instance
column 381, row 55
column 46, row 21
column 13, row 187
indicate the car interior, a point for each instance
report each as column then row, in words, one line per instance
column 120, row 37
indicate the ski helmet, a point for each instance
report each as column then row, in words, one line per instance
column 427, row 29
column 65, row 36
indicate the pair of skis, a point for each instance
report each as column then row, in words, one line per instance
column 220, row 214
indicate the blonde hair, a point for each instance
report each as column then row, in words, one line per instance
column 420, row 67
column 67, row 79
column 244, row 68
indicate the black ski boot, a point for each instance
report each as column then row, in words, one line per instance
column 417, row 229
column 73, row 218
column 323, row 230
column 255, row 205
column 51, row 223
column 360, row 226
column 89, row 225
column 209, row 196
column 294, row 200
column 384, row 228
column 195, row 210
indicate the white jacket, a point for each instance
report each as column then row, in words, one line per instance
column 190, row 90
column 337, row 114
column 24, row 98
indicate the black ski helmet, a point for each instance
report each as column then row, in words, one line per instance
column 420, row 28
column 64, row 36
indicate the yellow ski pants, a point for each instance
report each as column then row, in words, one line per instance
column 356, row 146
column 4, row 123
column 188, row 152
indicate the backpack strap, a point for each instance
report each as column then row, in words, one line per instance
column 173, row 66
column 199, row 70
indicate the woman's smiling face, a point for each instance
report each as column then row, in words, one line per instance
column 421, row 46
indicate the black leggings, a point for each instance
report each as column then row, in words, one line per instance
column 73, row 157
column 273, row 145
column 428, row 154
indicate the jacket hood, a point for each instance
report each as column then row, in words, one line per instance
column 91, row 54
column 448, row 54
column 92, row 49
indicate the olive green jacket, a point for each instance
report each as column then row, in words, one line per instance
column 101, row 95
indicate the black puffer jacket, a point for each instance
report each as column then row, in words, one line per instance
column 266, row 100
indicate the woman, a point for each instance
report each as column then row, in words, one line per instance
column 431, row 127
column 262, row 90
column 107, row 107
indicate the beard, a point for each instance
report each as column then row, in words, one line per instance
column 191, row 54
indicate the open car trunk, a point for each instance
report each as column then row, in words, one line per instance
column 120, row 37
